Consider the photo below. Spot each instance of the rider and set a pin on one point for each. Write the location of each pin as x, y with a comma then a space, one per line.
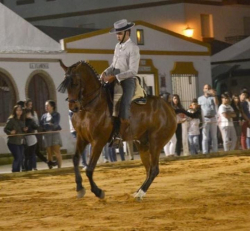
123, 70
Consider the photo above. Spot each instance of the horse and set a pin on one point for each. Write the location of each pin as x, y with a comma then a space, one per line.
152, 125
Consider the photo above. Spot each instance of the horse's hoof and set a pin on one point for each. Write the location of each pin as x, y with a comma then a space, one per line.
81, 193
138, 199
102, 195
139, 195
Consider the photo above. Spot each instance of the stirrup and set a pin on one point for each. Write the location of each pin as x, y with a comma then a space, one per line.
116, 142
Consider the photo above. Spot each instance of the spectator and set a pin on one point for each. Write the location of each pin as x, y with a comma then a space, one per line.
52, 140
237, 120
73, 133
176, 104
31, 141
130, 149
246, 116
170, 147
15, 125
194, 129
226, 113
248, 138
208, 103
106, 153
29, 105
21, 103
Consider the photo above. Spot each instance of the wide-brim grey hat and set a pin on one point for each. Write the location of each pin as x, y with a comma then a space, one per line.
122, 25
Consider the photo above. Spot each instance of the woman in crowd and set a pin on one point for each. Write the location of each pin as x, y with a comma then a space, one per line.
29, 105
246, 117
52, 140
176, 104
15, 125
225, 122
30, 141
170, 147
237, 120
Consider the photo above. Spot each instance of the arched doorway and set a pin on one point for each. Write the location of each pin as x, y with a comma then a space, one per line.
38, 92
7, 97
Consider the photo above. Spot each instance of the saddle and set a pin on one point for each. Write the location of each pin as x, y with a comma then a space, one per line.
140, 96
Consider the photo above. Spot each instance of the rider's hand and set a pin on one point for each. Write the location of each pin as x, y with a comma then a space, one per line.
102, 76
109, 78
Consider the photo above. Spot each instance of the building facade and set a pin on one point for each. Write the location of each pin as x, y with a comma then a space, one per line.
224, 20
29, 64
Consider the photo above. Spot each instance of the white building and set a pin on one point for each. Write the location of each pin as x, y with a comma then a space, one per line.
29, 68
29, 65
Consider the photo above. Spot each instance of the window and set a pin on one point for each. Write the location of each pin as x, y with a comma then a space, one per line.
207, 30
140, 37
7, 98
23, 2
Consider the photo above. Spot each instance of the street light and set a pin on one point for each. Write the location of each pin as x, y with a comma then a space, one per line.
188, 32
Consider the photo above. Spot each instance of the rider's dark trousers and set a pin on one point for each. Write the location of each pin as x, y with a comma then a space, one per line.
128, 87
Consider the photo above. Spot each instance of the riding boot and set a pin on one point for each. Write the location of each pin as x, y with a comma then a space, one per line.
116, 141
121, 134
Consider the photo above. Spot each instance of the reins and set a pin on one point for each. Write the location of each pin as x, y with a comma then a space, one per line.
82, 98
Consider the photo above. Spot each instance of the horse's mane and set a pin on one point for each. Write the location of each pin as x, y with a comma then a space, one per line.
68, 75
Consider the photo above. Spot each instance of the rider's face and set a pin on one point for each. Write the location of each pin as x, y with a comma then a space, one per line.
120, 35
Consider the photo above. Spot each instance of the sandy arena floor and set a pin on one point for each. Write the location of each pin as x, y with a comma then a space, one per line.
189, 194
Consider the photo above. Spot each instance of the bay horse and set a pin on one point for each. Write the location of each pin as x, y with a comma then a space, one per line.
152, 125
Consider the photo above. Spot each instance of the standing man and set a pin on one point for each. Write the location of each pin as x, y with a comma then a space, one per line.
209, 103
123, 70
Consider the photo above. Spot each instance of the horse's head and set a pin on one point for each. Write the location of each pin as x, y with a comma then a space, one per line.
80, 82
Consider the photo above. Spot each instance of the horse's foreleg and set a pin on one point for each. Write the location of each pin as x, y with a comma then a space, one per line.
95, 154
76, 160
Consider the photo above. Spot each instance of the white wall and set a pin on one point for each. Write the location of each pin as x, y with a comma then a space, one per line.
20, 72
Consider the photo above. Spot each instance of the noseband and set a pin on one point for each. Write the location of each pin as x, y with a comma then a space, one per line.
84, 99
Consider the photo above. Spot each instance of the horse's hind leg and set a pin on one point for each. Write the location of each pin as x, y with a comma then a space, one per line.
95, 154
146, 160
153, 168
76, 159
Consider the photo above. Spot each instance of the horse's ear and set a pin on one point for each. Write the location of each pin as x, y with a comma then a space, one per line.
62, 65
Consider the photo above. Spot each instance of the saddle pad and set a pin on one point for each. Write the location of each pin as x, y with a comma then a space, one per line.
139, 96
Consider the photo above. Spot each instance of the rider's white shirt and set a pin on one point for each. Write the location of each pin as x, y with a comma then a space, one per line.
126, 59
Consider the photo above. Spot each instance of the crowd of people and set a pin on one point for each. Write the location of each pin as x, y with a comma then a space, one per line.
21, 128
24, 130
229, 113
226, 117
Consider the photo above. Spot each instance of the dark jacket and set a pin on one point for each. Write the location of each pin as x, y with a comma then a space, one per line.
52, 124
245, 109
17, 125
31, 124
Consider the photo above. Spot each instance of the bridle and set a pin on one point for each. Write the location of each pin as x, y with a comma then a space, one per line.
84, 99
